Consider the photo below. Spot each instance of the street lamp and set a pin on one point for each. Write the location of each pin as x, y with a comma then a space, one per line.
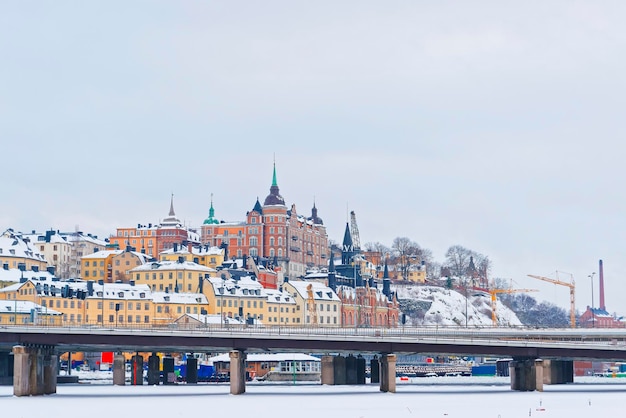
593, 315
355, 297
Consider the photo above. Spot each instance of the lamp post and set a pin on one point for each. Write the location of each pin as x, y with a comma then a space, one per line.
593, 315
355, 298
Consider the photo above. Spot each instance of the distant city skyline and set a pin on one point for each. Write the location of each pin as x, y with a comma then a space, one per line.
493, 126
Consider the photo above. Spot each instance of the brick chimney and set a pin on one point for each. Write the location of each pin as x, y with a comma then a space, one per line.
601, 270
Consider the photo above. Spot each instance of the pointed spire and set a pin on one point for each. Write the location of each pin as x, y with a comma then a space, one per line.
347, 238
386, 271
211, 219
257, 206
274, 198
172, 206
274, 182
331, 263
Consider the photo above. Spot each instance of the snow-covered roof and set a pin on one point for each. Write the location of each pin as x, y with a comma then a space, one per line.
24, 307
268, 357
180, 298
246, 286
320, 290
102, 254
15, 275
276, 296
172, 265
122, 291
195, 250
13, 244
210, 319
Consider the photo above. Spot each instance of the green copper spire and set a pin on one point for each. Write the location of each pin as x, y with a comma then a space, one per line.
211, 219
274, 182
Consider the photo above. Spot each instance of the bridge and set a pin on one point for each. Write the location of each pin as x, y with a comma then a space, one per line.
556, 347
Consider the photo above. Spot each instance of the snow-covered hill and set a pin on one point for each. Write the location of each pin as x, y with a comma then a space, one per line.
440, 306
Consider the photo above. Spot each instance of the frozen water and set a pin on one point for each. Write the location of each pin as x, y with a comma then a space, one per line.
466, 397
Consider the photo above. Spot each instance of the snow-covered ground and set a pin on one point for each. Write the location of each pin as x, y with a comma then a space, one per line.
447, 307
466, 397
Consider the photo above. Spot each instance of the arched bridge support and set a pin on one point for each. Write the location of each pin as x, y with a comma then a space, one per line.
34, 370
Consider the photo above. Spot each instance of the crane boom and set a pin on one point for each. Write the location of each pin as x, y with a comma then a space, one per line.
493, 293
572, 298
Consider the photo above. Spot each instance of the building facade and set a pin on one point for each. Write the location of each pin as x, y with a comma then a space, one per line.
272, 231
152, 239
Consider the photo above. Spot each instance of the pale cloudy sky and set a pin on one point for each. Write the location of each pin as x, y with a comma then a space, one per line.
490, 124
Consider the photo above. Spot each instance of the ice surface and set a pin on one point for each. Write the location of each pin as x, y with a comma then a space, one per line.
465, 397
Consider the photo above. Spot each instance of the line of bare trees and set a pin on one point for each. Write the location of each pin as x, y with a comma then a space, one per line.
462, 264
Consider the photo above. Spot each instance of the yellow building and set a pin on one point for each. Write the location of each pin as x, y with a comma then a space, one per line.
282, 309
110, 265
243, 298
18, 312
173, 276
170, 306
205, 255
318, 304
16, 252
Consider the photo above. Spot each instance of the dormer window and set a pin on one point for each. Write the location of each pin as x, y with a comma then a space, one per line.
142, 295
120, 294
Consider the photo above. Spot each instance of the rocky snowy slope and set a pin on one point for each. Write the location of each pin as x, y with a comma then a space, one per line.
431, 305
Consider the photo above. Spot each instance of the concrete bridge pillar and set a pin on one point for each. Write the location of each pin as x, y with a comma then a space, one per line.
523, 374
539, 375
375, 370
119, 369
21, 370
351, 373
154, 373
328, 370
388, 373
360, 370
50, 371
557, 372
34, 371
169, 377
191, 375
237, 372
6, 368
136, 370
339, 369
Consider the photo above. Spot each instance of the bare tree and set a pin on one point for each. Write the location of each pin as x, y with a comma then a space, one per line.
407, 253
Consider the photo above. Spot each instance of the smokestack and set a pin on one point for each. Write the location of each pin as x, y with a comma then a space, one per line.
601, 270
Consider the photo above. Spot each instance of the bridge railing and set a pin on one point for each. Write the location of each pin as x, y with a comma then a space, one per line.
616, 337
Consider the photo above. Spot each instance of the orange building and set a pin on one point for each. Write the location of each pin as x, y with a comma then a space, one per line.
152, 239
272, 231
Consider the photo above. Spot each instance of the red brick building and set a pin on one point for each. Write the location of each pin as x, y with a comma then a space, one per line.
273, 233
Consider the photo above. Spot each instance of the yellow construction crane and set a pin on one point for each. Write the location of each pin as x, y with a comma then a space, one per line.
311, 303
572, 299
493, 293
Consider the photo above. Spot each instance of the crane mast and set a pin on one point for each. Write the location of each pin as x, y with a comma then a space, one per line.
311, 303
572, 299
354, 229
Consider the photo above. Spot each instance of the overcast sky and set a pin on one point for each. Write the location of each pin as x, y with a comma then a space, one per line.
498, 126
